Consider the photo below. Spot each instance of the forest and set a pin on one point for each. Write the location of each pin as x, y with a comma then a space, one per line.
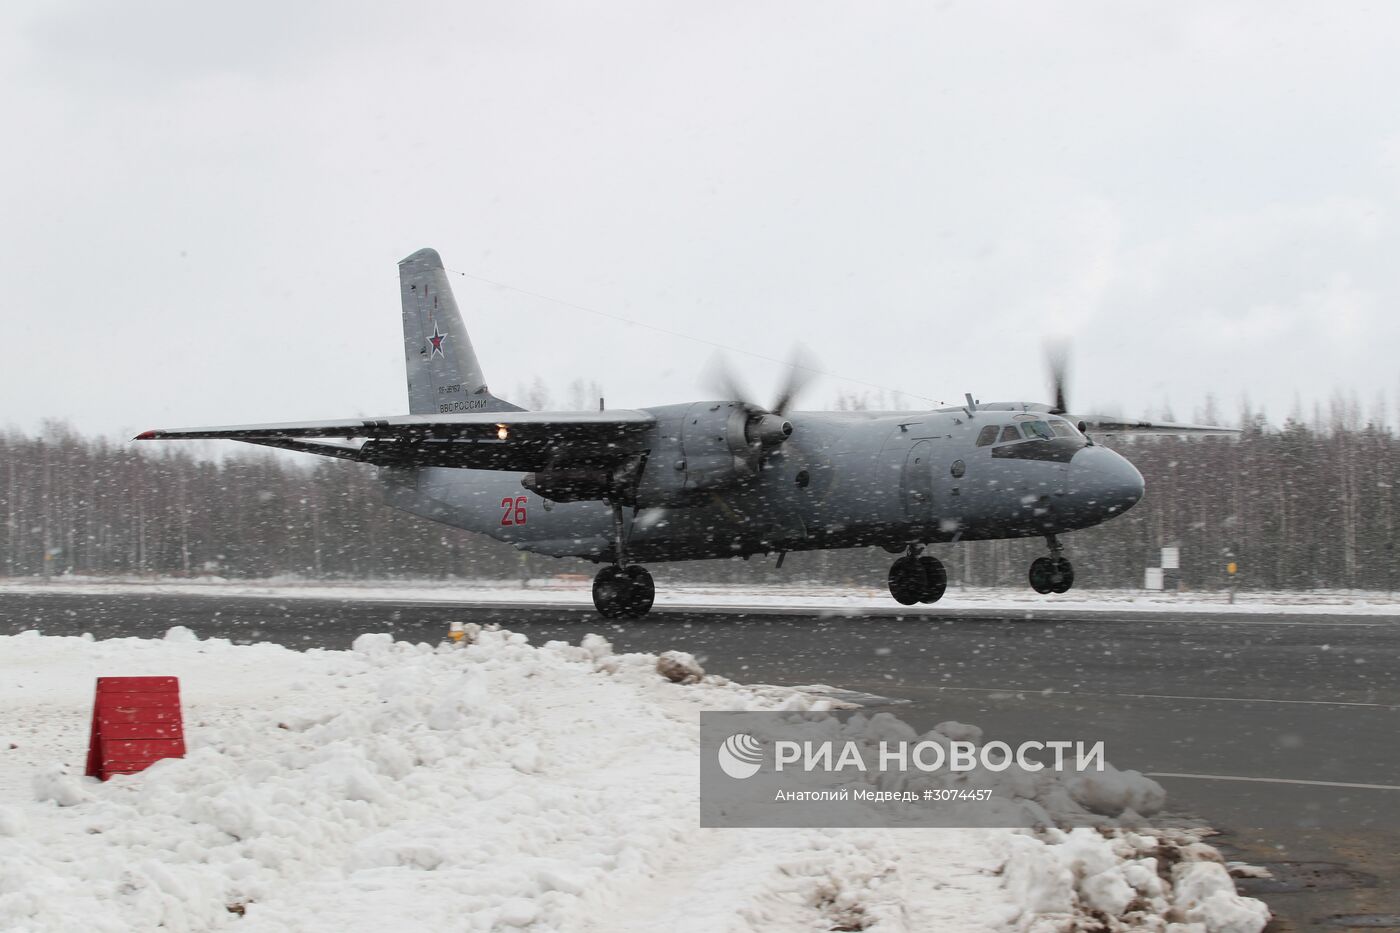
1304, 505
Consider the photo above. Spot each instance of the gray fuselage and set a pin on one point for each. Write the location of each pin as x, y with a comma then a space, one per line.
843, 479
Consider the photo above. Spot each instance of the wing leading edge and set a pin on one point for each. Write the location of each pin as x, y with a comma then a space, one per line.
517, 441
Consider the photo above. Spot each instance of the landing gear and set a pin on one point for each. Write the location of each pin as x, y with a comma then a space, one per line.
1053, 574
623, 592
643, 590
622, 589
917, 579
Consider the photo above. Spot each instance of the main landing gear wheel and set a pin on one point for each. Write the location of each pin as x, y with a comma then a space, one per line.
643, 590
1051, 575
918, 580
620, 592
935, 579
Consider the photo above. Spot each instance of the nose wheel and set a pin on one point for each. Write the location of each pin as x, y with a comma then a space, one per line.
623, 592
1053, 574
918, 579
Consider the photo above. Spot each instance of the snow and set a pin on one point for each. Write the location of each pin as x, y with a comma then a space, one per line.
1112, 792
1129, 881
813, 597
679, 667
492, 785
1207, 893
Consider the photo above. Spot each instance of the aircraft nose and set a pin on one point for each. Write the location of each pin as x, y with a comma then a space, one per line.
1104, 482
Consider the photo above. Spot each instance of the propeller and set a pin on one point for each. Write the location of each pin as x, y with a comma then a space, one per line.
1057, 361
765, 427
802, 370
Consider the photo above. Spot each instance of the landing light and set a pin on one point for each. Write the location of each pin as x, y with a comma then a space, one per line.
502, 432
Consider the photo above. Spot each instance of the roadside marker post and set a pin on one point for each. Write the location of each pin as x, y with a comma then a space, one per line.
136, 722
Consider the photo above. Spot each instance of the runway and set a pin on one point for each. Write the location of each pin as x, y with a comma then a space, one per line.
1278, 730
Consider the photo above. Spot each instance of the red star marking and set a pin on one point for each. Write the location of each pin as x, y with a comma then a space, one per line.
436, 340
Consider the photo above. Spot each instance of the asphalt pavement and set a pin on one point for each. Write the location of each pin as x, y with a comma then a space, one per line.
1280, 731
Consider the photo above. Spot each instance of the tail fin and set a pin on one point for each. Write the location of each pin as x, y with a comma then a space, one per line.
444, 376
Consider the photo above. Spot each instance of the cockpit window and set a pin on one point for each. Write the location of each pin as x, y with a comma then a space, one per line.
1009, 433
1062, 428
988, 436
1039, 429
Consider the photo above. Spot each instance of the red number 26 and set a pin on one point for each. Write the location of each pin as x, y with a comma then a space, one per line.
513, 510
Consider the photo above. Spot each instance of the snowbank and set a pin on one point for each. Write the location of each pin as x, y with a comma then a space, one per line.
1125, 881
489, 786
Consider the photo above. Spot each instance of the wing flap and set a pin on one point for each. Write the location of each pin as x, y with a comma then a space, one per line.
408, 426
514, 441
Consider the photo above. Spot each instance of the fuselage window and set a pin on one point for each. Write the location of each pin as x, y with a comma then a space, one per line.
1039, 429
1009, 433
988, 436
1062, 429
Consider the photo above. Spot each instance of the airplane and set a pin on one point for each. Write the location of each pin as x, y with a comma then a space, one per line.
718, 478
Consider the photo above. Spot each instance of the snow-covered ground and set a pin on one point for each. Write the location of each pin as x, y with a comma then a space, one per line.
816, 597
495, 785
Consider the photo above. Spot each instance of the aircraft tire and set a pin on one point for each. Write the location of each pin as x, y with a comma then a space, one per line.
611, 592
906, 581
1063, 577
935, 579
1042, 574
641, 591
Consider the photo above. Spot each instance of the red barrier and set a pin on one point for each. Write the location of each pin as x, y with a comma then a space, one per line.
135, 723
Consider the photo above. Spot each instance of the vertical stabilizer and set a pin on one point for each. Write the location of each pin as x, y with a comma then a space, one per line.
444, 376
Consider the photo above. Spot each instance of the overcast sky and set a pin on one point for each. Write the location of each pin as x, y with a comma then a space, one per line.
204, 204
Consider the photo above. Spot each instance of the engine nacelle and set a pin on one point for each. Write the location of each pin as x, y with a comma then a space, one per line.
724, 442
714, 448
706, 446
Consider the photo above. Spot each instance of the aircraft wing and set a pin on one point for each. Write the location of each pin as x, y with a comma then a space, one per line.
1103, 424
516, 441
